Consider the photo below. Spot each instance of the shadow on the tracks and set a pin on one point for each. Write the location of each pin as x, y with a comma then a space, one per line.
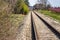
32, 29
49, 26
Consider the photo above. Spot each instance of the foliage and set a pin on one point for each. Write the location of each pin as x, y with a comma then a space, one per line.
24, 9
48, 6
55, 9
26, 2
9, 22
21, 7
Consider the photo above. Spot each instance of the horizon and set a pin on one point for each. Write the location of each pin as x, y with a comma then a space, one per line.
55, 3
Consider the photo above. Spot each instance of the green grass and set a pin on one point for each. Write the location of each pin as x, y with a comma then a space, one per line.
54, 15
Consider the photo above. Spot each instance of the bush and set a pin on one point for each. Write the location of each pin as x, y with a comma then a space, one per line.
21, 8
25, 9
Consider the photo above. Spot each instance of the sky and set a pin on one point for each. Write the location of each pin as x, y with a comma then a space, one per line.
32, 2
54, 3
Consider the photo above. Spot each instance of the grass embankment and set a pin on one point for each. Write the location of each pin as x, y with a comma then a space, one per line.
16, 18
9, 25
10, 22
54, 15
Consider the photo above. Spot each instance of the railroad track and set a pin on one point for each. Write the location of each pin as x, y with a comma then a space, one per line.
36, 28
41, 30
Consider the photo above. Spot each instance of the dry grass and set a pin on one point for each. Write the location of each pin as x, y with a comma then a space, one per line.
9, 25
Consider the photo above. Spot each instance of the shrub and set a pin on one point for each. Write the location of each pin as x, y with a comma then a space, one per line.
25, 9
21, 7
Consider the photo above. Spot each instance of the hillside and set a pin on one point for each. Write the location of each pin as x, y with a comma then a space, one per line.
9, 22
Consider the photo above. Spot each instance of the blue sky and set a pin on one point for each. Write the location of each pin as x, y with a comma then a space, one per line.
54, 3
